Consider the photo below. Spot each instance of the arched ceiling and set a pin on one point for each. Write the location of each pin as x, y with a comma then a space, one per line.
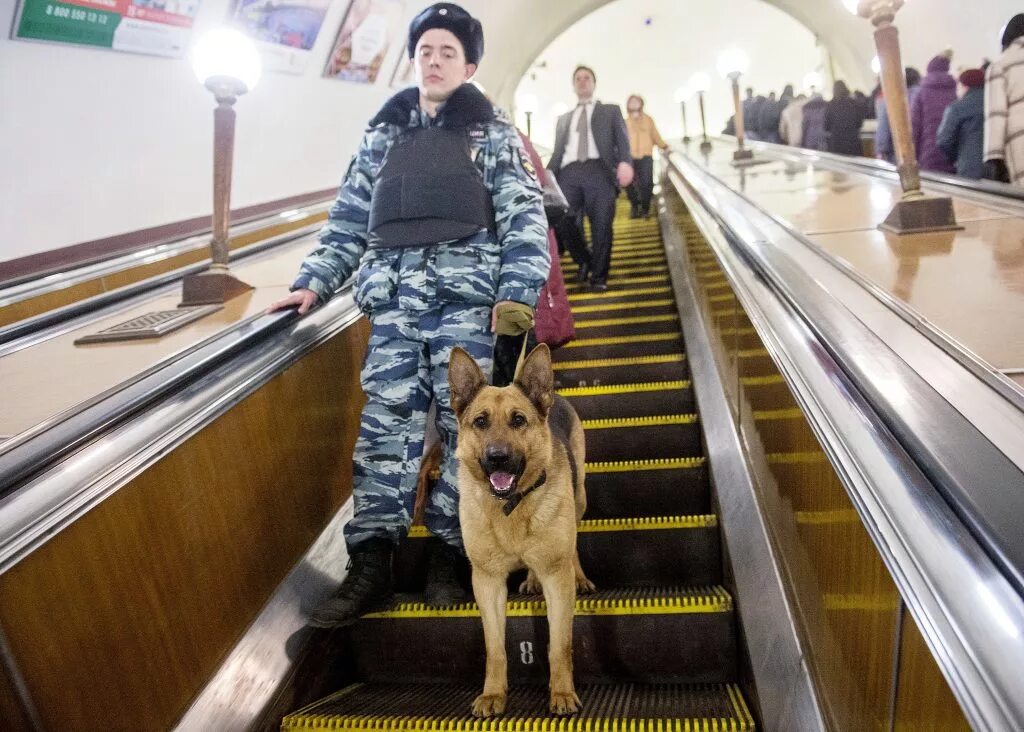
518, 31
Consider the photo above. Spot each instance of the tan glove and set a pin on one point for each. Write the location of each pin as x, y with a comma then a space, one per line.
514, 318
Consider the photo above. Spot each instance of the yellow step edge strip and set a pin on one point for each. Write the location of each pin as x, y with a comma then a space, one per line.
773, 414
822, 518
592, 526
741, 712
657, 523
658, 420
585, 391
624, 271
796, 458
634, 466
620, 293
762, 380
616, 281
628, 263
597, 363
741, 722
716, 600
637, 320
626, 250
621, 340
623, 306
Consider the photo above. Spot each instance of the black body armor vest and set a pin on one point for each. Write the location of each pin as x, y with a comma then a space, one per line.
429, 190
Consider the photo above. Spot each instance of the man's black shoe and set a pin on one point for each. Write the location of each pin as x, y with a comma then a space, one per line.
367, 584
634, 212
584, 273
599, 286
443, 586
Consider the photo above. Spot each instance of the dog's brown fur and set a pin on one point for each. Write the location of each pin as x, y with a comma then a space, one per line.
540, 533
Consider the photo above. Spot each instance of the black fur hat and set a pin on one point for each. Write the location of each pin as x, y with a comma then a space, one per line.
450, 17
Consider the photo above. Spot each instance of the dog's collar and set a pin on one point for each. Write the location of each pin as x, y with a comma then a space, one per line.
511, 503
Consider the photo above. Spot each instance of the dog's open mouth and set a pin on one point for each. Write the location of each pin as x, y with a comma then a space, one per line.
503, 484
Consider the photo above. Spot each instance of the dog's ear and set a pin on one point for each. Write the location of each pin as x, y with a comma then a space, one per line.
537, 380
465, 380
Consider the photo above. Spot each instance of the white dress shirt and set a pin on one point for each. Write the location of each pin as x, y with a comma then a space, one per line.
573, 143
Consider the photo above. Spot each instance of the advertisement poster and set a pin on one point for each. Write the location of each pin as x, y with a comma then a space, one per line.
403, 75
283, 31
370, 29
156, 27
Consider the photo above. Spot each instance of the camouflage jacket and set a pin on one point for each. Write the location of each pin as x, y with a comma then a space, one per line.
510, 263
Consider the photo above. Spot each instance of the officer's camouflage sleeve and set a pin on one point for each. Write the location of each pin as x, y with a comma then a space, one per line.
343, 237
522, 226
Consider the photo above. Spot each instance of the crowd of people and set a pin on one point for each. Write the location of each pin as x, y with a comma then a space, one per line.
971, 124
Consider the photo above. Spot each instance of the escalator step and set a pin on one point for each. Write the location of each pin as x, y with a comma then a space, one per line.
658, 304
647, 488
641, 344
604, 327
615, 282
445, 708
631, 400
660, 551
604, 371
618, 294
673, 635
651, 437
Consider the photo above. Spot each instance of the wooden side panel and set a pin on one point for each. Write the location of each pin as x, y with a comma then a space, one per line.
50, 301
923, 700
119, 620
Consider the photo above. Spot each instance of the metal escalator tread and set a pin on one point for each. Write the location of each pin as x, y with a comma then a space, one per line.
444, 708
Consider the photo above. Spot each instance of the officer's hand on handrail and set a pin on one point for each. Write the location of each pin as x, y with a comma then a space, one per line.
624, 174
305, 299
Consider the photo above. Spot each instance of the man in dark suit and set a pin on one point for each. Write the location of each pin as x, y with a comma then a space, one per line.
592, 160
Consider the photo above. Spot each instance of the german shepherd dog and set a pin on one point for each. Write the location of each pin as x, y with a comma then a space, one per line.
521, 472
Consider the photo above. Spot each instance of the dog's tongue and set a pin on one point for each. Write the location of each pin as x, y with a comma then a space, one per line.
502, 482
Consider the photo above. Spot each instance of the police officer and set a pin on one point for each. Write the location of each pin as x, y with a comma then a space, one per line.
442, 215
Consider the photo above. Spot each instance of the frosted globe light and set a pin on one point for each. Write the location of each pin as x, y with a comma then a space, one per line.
876, 65
851, 5
681, 94
700, 82
227, 53
733, 61
812, 80
527, 103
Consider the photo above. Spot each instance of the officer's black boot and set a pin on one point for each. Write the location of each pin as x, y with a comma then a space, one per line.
368, 584
634, 211
443, 586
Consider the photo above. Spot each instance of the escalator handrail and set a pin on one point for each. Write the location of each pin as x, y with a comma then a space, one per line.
968, 607
161, 418
51, 318
27, 286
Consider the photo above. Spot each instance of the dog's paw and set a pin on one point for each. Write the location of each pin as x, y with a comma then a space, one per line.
488, 705
564, 702
530, 586
584, 586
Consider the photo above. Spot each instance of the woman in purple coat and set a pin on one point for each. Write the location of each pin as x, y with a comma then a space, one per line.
938, 91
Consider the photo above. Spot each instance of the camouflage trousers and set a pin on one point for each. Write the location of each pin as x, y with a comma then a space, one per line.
406, 367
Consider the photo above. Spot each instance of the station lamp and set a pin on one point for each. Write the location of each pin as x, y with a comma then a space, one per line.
699, 84
227, 63
732, 64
